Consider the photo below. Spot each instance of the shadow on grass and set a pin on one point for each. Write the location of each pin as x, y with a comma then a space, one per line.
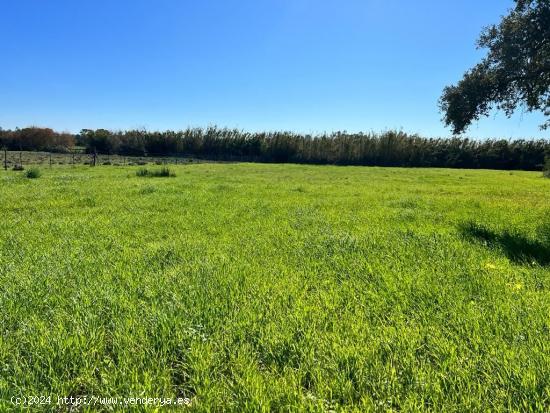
517, 247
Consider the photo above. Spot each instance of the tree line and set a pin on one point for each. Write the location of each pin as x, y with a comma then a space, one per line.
36, 139
391, 148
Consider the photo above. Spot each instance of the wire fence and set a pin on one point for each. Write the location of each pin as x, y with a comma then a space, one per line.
20, 159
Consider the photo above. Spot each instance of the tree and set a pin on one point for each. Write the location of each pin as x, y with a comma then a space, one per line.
99, 140
515, 72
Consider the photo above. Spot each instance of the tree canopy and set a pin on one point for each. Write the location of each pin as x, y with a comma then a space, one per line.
515, 73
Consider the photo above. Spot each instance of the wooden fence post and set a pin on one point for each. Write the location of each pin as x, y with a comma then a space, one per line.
5, 159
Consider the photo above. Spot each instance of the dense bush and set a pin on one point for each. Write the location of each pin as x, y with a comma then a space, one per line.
390, 148
160, 173
33, 173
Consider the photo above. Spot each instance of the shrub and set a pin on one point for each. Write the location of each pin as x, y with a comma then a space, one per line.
160, 173
163, 172
142, 172
18, 167
33, 173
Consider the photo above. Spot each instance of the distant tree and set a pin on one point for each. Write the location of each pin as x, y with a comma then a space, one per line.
38, 139
515, 72
63, 142
3, 138
99, 140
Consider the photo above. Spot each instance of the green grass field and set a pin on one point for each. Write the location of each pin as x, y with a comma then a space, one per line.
247, 287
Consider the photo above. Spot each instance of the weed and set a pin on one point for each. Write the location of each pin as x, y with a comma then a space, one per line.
33, 173
142, 172
147, 190
156, 173
163, 172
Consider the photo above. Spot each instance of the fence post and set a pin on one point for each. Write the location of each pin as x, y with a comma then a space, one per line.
94, 158
50, 159
20, 158
73, 157
5, 159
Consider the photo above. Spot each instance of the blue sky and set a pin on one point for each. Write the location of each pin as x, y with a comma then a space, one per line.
302, 65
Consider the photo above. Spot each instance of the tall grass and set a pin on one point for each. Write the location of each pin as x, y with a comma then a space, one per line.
391, 148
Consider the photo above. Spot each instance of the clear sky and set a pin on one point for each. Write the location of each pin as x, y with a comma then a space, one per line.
302, 65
